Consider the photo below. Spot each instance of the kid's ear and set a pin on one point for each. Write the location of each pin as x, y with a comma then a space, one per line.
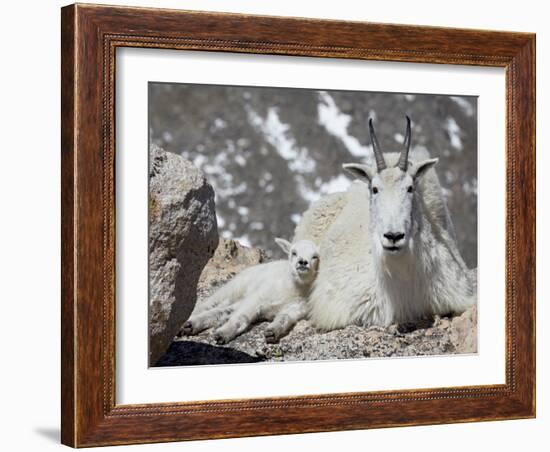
284, 244
418, 169
360, 171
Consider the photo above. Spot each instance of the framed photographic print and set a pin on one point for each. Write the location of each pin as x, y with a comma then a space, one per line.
281, 225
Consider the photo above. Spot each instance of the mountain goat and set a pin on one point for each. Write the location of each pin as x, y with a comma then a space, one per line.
276, 291
387, 245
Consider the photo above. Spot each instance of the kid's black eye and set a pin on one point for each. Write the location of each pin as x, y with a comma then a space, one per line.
410, 189
294, 253
374, 190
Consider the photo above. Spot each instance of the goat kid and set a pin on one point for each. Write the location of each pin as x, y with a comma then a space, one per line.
276, 291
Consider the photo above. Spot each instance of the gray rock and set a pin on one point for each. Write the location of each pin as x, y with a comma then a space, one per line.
464, 332
182, 237
229, 259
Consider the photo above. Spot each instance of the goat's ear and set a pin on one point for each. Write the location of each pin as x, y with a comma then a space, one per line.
418, 169
284, 244
360, 171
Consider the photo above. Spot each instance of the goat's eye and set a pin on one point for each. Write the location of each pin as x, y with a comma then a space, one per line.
410, 189
315, 258
294, 254
374, 190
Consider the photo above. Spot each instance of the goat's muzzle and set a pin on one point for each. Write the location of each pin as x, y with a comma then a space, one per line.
393, 241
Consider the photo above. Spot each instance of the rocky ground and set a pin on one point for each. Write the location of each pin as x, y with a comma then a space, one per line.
430, 337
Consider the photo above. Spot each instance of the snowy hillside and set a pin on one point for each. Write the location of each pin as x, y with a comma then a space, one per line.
270, 152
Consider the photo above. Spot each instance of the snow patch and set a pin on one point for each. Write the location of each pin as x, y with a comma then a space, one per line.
449, 177
454, 133
199, 160
220, 221
244, 240
219, 124
242, 210
305, 191
464, 104
229, 191
167, 137
256, 225
227, 234
336, 123
446, 192
277, 134
470, 188
240, 160
336, 184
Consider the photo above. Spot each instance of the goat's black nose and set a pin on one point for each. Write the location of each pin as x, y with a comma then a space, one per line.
394, 236
302, 262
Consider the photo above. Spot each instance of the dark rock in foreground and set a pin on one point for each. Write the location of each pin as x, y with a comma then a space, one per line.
189, 353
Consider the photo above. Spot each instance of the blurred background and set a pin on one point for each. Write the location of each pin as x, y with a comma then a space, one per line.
270, 152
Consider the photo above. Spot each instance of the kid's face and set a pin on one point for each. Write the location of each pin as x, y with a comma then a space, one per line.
304, 257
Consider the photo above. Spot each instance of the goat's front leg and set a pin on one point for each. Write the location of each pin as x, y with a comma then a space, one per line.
204, 320
285, 320
238, 322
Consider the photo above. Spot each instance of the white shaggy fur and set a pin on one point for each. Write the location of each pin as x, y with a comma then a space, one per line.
276, 291
363, 280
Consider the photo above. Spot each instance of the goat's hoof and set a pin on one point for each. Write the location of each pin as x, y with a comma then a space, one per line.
220, 338
270, 336
187, 329
408, 327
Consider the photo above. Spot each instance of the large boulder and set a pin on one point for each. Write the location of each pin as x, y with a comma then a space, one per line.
183, 236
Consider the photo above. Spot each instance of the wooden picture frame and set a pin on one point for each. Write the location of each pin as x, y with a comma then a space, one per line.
90, 36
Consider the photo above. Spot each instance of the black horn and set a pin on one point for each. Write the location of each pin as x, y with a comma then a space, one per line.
404, 157
380, 162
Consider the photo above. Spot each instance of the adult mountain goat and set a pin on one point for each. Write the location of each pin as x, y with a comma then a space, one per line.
387, 246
